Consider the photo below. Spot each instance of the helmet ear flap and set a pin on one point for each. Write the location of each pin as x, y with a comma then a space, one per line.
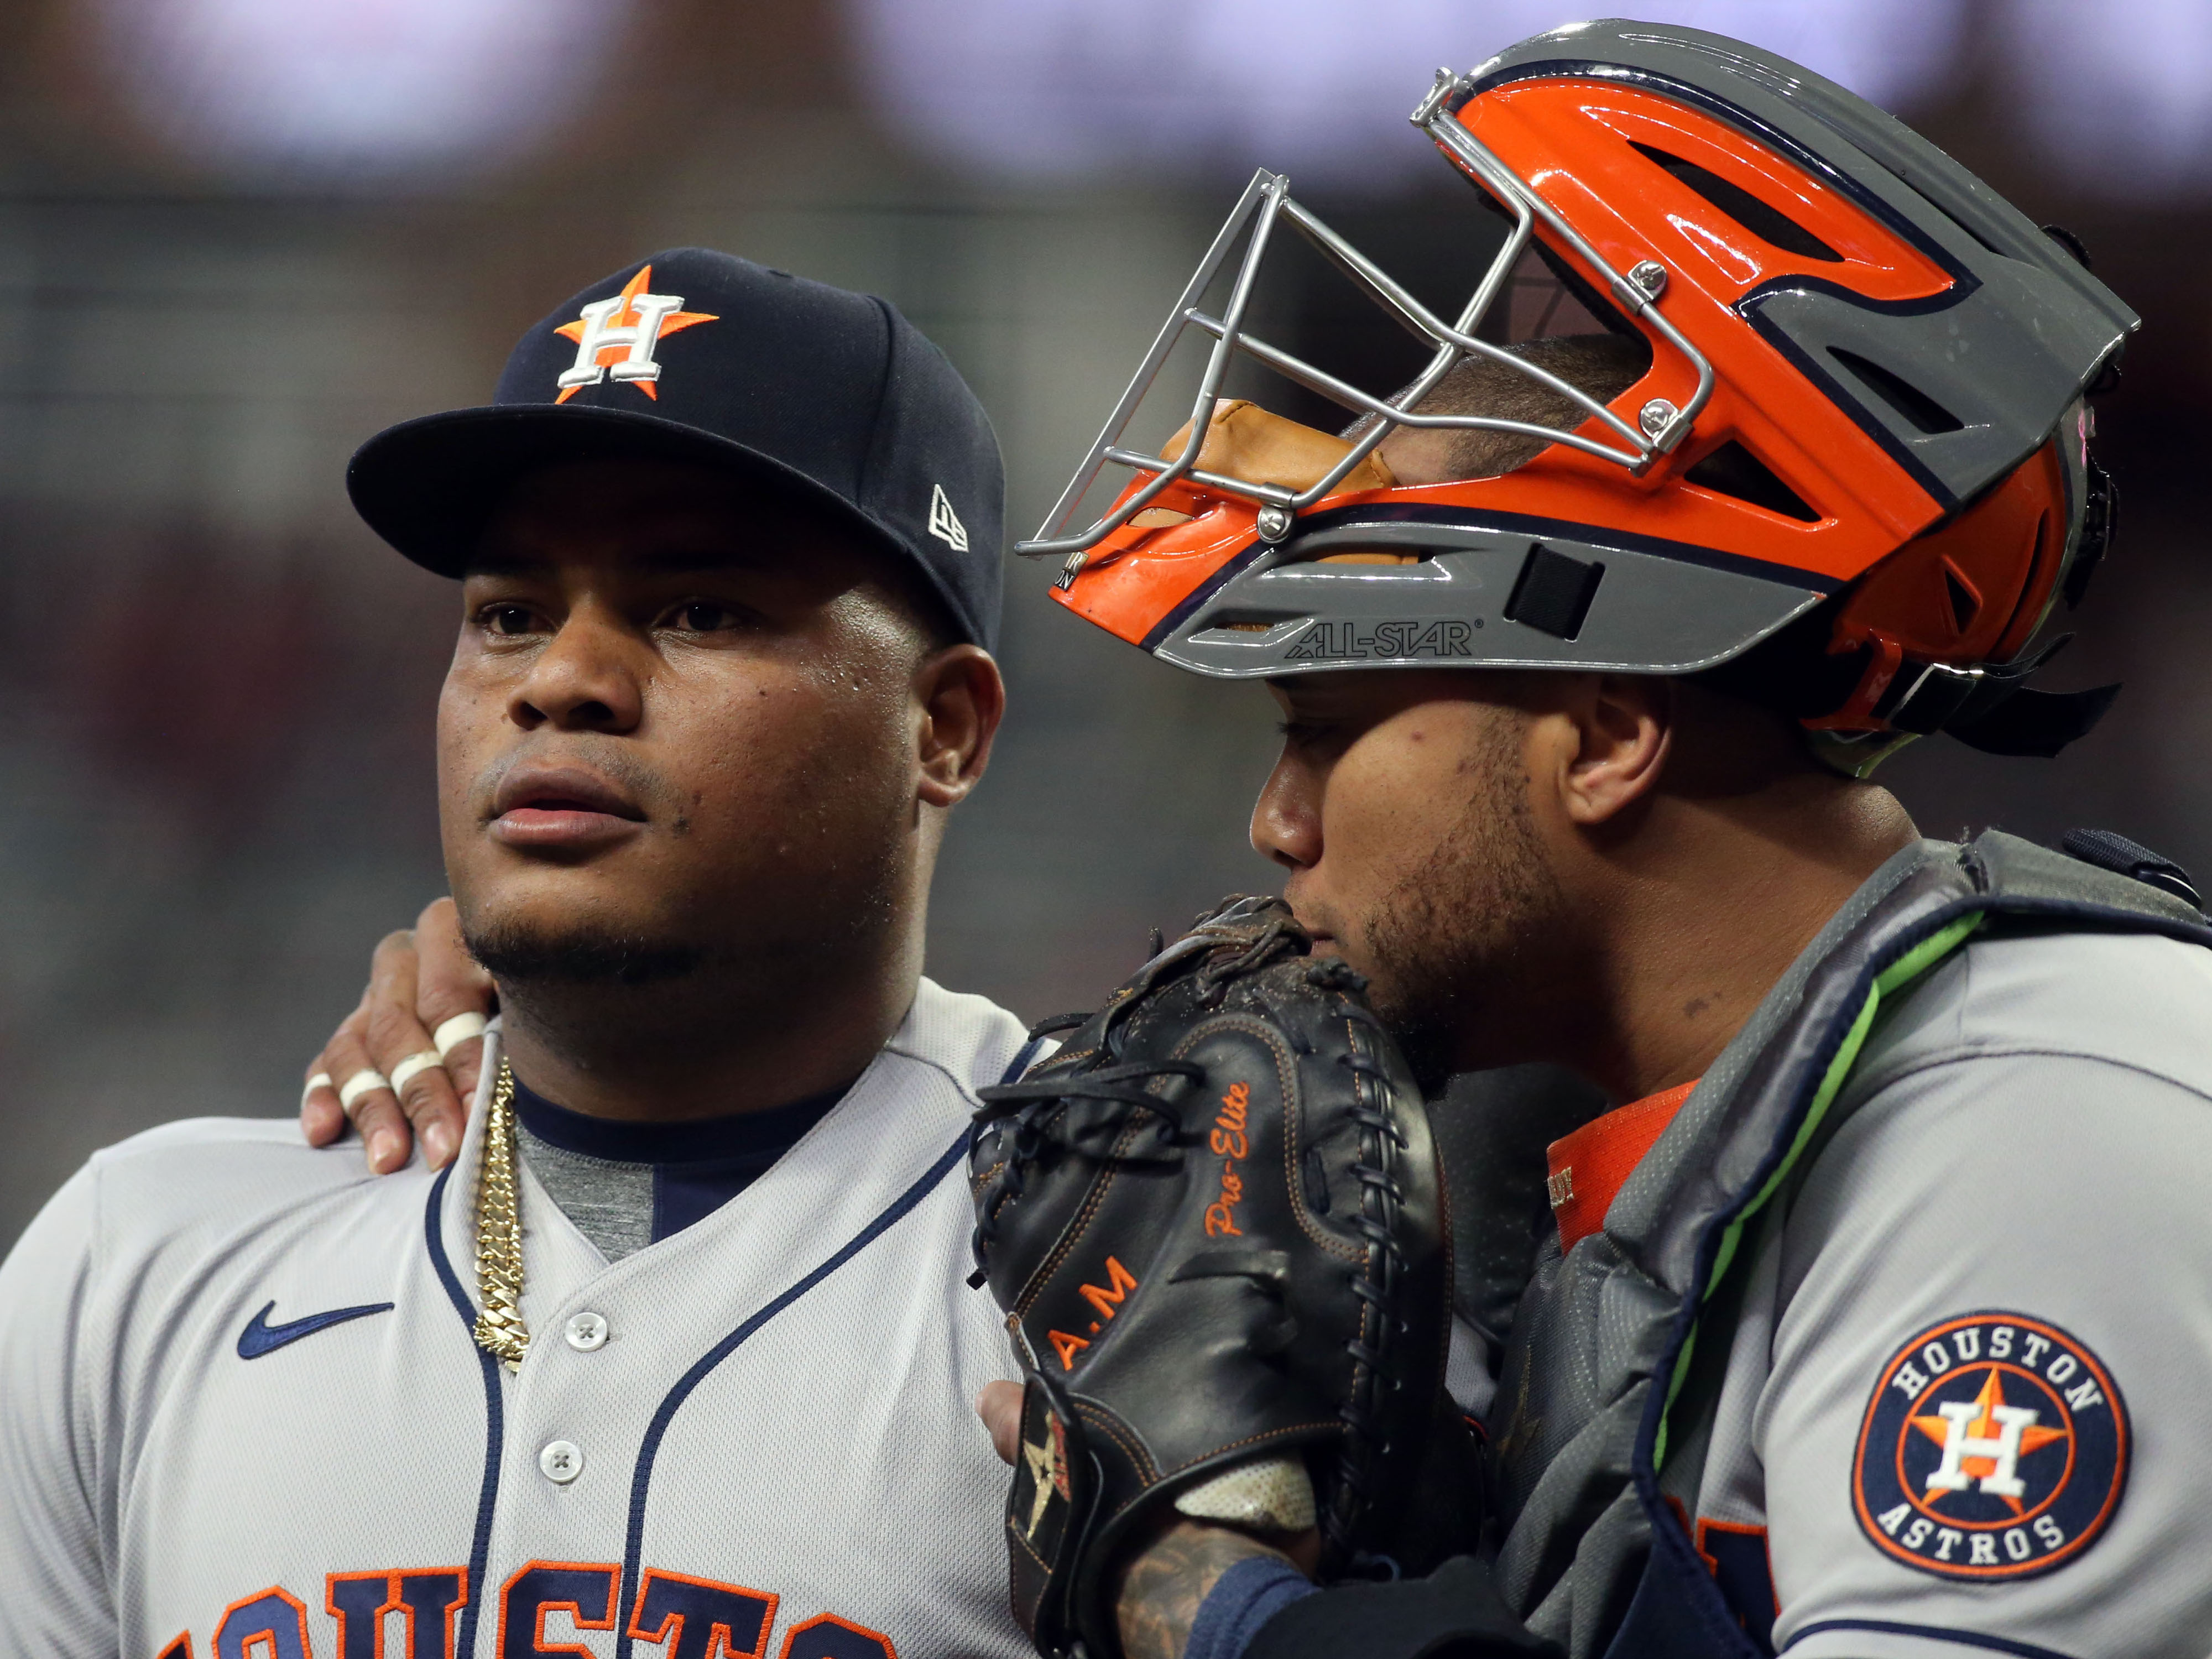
1973, 590
1966, 596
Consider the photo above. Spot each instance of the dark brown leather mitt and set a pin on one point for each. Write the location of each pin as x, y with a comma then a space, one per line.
1215, 1220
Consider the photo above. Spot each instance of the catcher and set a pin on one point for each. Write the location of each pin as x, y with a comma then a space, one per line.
1588, 646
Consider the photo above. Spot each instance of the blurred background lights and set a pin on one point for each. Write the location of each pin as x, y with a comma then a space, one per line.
1318, 88
331, 92
2115, 94
2118, 94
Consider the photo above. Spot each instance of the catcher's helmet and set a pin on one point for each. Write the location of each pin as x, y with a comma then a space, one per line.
1860, 435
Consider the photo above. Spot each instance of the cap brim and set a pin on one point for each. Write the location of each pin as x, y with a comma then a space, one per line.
430, 486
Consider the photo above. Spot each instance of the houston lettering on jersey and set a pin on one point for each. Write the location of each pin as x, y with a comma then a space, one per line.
411, 1613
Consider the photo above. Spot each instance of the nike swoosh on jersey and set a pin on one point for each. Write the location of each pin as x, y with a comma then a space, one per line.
260, 1337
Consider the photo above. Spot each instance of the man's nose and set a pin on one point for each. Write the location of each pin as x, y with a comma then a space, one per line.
1286, 818
589, 678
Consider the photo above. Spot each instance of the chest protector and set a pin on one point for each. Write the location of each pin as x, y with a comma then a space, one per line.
1603, 1408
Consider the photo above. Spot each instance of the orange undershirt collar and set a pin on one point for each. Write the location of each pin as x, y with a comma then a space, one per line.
1589, 1166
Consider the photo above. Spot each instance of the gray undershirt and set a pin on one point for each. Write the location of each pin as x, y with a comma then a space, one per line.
611, 1203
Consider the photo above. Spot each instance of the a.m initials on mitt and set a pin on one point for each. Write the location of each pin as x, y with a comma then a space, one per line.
1215, 1220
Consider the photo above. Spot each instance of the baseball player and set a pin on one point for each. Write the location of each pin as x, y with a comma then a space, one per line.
674, 1357
1870, 1321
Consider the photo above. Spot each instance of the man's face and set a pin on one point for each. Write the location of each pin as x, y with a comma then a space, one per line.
677, 729
1401, 807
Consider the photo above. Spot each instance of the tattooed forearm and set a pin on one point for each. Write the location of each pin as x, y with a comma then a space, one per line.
1162, 1587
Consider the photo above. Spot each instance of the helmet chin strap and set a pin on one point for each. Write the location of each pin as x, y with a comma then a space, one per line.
2021, 719
1992, 708
1998, 715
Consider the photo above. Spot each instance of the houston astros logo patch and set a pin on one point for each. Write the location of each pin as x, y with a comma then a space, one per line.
1996, 1446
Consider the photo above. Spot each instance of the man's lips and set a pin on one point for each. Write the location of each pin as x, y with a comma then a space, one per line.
561, 807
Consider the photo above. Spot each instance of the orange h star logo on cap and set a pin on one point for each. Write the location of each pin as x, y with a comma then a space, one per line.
615, 338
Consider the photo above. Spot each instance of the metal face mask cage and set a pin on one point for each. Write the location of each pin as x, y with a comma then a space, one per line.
1660, 427
1873, 367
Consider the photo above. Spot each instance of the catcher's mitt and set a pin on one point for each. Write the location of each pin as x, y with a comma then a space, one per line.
1215, 1222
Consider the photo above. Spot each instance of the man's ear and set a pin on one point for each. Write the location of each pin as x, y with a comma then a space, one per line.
1623, 726
959, 699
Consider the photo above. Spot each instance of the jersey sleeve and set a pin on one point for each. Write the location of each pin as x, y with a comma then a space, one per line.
1983, 1426
52, 1556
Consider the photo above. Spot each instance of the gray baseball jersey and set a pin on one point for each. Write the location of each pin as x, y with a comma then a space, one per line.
1963, 1410
242, 1414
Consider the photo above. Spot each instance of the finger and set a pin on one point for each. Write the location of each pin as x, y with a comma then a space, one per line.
322, 1118
999, 1405
405, 1053
374, 1111
450, 986
427, 1097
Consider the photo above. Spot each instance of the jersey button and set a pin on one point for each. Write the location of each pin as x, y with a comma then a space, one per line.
562, 1461
587, 1331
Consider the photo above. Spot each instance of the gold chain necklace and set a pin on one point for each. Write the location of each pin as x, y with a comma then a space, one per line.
500, 1331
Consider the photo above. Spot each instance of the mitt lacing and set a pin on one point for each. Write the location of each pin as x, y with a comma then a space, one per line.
1214, 977
1034, 1112
1375, 1284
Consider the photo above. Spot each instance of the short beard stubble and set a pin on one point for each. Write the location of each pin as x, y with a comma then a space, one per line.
618, 997
1463, 920
522, 956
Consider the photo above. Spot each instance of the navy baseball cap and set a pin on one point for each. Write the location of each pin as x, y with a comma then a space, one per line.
694, 356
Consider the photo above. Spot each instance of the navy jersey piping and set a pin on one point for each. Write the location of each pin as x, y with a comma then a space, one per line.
641, 1482
494, 1424
1964, 1637
1015, 1068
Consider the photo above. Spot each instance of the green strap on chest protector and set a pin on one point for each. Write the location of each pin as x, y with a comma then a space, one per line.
1898, 977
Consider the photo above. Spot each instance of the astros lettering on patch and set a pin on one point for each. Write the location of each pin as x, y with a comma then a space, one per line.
1996, 1446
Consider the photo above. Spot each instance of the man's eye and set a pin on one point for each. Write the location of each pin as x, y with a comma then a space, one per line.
702, 617
510, 619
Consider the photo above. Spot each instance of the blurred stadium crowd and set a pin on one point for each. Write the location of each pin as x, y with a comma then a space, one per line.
237, 236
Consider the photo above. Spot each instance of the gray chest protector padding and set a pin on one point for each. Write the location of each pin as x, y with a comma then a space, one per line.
1491, 1131
1581, 1401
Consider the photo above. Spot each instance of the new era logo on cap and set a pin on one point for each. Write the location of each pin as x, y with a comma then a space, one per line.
944, 523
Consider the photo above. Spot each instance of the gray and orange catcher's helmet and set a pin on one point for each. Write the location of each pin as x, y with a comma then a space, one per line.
1853, 482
